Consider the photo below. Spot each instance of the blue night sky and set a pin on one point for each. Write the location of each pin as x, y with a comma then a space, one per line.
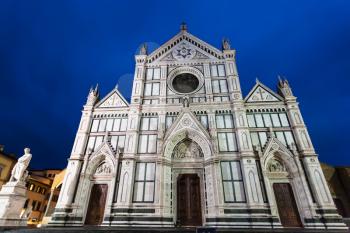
51, 52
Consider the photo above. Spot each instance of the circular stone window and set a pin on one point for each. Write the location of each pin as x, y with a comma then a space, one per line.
185, 83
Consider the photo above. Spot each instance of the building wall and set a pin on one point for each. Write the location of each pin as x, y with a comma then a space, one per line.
338, 179
6, 164
40, 187
211, 131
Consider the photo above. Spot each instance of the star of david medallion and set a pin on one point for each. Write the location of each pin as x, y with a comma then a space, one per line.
186, 122
183, 52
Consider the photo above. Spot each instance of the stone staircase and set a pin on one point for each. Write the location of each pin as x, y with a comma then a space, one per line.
159, 230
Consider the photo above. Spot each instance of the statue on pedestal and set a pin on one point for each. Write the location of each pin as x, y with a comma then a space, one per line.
14, 194
19, 171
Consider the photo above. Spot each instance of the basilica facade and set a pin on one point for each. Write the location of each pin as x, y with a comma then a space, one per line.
190, 150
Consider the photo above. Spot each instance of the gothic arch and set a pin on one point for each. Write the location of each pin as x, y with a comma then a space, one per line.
187, 149
291, 173
179, 136
103, 154
96, 160
276, 150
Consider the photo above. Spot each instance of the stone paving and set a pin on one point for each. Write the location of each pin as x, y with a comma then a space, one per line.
158, 230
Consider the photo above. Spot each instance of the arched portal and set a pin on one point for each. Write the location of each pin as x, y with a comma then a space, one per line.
283, 177
186, 151
97, 187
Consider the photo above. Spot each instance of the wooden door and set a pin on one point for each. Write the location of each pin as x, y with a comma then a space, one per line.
189, 212
95, 212
286, 205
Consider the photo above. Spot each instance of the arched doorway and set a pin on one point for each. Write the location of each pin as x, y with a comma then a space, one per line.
100, 183
283, 193
187, 159
186, 148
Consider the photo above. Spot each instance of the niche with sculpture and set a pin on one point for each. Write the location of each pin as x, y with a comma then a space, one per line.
274, 165
103, 169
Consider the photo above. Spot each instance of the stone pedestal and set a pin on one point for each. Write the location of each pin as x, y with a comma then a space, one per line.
12, 198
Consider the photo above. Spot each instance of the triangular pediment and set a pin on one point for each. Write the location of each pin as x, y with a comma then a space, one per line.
261, 93
185, 51
114, 99
186, 120
184, 47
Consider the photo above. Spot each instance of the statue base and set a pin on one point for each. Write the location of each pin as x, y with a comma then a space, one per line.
12, 198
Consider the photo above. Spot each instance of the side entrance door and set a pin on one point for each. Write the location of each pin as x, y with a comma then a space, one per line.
189, 211
286, 205
95, 212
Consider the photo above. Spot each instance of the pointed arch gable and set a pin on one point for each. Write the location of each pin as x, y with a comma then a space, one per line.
186, 120
103, 153
182, 134
275, 149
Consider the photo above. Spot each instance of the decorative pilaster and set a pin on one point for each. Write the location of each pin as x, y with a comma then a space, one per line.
207, 82
139, 77
75, 162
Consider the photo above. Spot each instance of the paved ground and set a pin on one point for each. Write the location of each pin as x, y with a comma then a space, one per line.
158, 230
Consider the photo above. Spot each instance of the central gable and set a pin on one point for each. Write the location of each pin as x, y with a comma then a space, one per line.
184, 47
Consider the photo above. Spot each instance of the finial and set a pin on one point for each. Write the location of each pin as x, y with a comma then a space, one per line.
271, 134
96, 88
143, 49
279, 78
257, 79
116, 86
26, 150
226, 44
186, 133
91, 90
183, 26
106, 136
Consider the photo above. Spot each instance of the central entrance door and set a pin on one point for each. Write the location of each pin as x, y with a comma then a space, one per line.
286, 205
95, 212
189, 211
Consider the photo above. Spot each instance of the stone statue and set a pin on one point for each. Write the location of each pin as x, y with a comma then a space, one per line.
19, 172
185, 102
276, 166
226, 44
143, 50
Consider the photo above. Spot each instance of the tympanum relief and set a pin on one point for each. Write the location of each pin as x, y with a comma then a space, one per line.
187, 149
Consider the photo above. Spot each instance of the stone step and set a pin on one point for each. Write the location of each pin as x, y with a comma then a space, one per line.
157, 230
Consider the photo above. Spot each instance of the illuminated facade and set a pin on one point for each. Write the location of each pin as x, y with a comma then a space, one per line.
190, 150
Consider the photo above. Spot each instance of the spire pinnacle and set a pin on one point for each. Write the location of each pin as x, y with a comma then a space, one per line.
143, 49
279, 78
226, 44
183, 27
